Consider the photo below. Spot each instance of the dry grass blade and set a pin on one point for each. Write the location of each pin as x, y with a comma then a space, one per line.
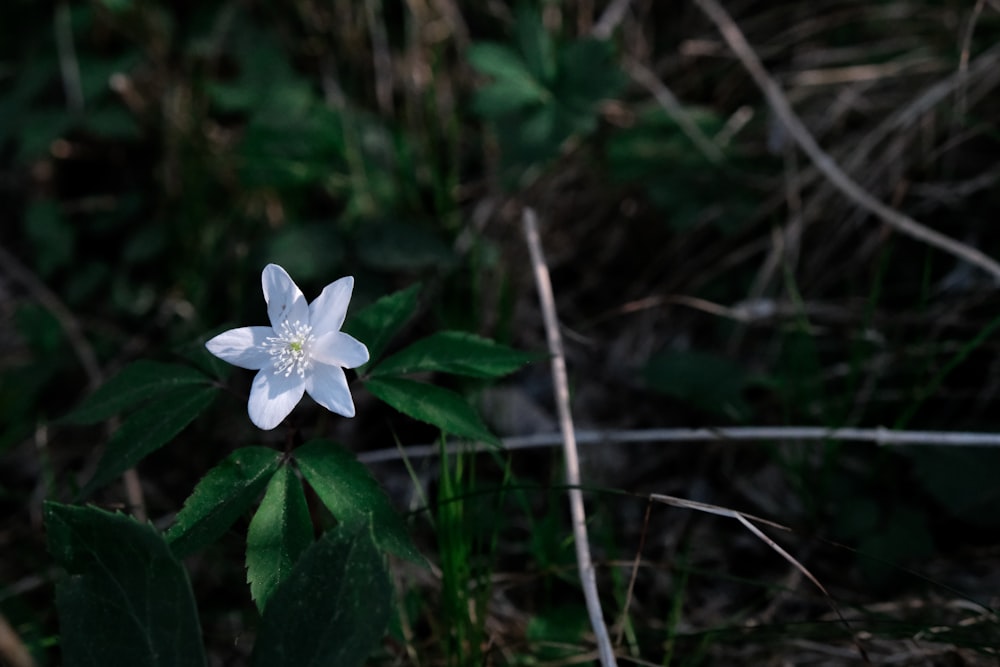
672, 106
746, 520
717, 510
823, 162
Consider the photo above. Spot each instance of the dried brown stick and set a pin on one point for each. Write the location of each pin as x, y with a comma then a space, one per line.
878, 436
962, 101
610, 19
572, 461
983, 69
823, 162
19, 273
674, 109
381, 58
12, 649
70, 326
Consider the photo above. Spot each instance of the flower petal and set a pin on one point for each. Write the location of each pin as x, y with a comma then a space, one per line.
273, 396
243, 347
328, 386
339, 349
328, 311
285, 302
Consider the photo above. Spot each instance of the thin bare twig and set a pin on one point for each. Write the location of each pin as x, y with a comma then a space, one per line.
962, 102
12, 649
70, 326
672, 106
381, 58
878, 436
983, 69
823, 162
959, 118
610, 19
623, 620
19, 273
561, 382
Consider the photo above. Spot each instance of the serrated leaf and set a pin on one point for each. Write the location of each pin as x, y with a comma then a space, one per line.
588, 74
332, 610
536, 43
503, 98
146, 430
346, 487
127, 600
226, 492
510, 75
136, 383
431, 404
279, 532
376, 324
458, 353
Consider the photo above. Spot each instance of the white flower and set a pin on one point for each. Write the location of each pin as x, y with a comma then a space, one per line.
303, 350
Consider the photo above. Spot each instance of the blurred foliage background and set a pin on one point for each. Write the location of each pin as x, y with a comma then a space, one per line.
155, 155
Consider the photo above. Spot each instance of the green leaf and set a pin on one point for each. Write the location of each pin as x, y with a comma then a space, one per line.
503, 98
51, 235
712, 383
529, 141
279, 532
36, 136
310, 248
536, 43
136, 383
127, 600
458, 353
378, 323
513, 85
40, 330
589, 74
111, 122
348, 490
117, 6
905, 537
332, 610
556, 632
435, 405
402, 246
18, 104
146, 430
962, 479
222, 496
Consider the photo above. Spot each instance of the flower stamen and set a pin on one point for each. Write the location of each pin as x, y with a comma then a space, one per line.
290, 348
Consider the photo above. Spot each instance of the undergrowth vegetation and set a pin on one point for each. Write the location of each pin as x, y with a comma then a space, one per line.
708, 272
